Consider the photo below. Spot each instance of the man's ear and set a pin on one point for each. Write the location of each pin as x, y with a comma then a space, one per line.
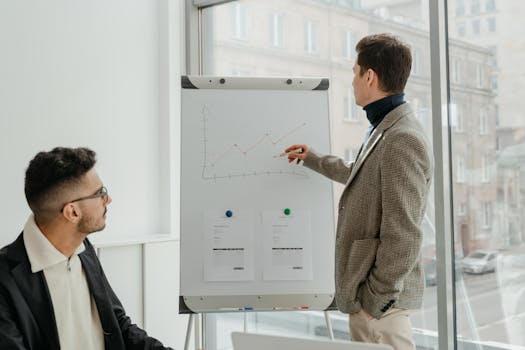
372, 78
71, 212
370, 75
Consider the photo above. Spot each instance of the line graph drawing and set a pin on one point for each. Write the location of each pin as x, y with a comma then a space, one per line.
212, 162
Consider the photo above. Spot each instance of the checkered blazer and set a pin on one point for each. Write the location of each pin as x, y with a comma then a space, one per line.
379, 236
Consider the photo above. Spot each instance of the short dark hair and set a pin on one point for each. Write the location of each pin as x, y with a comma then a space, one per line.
388, 57
49, 172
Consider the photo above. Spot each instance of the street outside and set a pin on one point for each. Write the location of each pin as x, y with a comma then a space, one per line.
490, 306
490, 310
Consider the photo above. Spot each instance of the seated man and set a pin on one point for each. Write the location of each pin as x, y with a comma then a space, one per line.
53, 291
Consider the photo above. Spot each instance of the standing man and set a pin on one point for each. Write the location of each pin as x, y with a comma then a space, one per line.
378, 272
53, 291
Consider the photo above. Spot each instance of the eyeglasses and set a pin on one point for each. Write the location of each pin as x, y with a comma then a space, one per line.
102, 193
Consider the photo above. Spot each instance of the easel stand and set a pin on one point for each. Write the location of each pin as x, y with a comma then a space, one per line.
200, 331
199, 321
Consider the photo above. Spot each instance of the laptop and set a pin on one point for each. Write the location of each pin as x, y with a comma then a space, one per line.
251, 341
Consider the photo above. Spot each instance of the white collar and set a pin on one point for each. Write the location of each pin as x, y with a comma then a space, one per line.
40, 251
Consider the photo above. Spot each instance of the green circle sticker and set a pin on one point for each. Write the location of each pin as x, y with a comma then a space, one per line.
287, 211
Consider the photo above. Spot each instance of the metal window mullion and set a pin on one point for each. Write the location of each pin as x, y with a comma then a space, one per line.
207, 3
193, 38
442, 179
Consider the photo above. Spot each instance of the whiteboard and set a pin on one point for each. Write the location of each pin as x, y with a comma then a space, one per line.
257, 233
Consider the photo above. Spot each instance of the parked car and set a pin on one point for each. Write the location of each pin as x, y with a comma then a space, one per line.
480, 261
429, 268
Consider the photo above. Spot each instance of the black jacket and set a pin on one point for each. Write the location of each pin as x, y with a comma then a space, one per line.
27, 319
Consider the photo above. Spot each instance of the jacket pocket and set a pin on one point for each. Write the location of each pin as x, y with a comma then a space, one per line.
360, 261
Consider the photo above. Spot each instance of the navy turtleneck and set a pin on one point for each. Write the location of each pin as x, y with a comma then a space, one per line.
376, 111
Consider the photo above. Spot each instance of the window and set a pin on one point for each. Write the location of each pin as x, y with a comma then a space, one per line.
490, 5
485, 169
499, 221
350, 154
493, 55
351, 109
474, 7
461, 29
483, 122
480, 75
486, 212
462, 209
416, 65
277, 30
494, 82
475, 27
308, 27
491, 24
238, 21
496, 115
460, 169
456, 71
310, 37
490, 167
460, 8
458, 122
349, 43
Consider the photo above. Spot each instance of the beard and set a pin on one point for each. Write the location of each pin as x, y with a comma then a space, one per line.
92, 224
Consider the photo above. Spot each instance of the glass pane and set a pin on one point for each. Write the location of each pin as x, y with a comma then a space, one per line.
489, 172
318, 38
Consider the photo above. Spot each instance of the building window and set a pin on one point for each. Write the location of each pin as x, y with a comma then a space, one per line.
456, 71
496, 115
485, 214
493, 55
462, 209
460, 170
475, 27
474, 7
348, 45
350, 154
416, 65
238, 21
460, 8
483, 122
480, 74
490, 5
494, 82
310, 37
457, 117
277, 29
351, 113
485, 169
491, 24
461, 29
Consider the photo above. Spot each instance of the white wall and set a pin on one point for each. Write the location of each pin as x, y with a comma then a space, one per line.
82, 73
102, 74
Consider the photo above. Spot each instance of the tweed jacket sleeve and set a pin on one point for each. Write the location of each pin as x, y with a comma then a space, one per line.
406, 168
332, 167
